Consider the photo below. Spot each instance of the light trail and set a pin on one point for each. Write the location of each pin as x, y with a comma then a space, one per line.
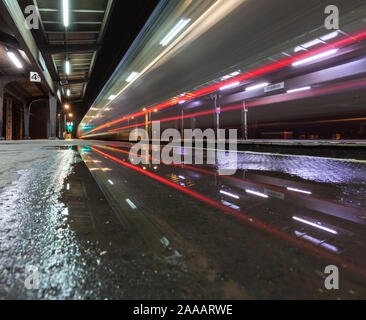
246, 76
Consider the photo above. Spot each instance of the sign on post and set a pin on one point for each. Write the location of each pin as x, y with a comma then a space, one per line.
34, 77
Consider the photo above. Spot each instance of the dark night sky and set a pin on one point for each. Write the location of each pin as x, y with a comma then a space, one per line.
126, 21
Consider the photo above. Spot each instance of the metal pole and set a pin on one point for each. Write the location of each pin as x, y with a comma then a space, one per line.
182, 123
245, 109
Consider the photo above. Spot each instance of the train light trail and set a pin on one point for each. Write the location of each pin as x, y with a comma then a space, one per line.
315, 57
257, 86
132, 76
172, 34
301, 59
315, 225
299, 89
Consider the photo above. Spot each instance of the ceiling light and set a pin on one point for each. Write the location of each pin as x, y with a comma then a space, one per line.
15, 60
232, 85
262, 195
315, 57
112, 97
330, 36
257, 86
67, 67
311, 43
299, 89
66, 13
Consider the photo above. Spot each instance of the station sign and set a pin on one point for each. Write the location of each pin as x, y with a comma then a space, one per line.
34, 77
274, 87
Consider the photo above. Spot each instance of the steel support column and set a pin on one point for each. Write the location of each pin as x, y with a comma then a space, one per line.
9, 119
53, 118
26, 115
2, 85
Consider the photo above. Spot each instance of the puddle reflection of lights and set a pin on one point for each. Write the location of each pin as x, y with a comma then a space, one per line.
230, 205
255, 193
316, 241
183, 178
315, 225
131, 204
298, 190
229, 194
110, 181
315, 57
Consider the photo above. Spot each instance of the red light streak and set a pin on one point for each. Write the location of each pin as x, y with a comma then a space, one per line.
260, 101
254, 73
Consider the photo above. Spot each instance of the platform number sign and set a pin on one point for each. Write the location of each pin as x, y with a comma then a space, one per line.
34, 77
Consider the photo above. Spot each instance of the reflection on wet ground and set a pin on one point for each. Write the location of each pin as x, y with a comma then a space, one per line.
271, 229
98, 227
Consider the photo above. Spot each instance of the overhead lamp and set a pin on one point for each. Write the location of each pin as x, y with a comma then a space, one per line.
15, 60
112, 97
257, 86
229, 86
299, 89
315, 57
231, 75
311, 43
132, 76
330, 36
67, 107
70, 115
68, 92
67, 67
66, 13
176, 29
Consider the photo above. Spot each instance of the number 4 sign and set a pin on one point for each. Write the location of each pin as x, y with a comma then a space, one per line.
34, 77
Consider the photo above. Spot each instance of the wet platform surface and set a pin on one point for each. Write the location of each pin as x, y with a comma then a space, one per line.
98, 227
